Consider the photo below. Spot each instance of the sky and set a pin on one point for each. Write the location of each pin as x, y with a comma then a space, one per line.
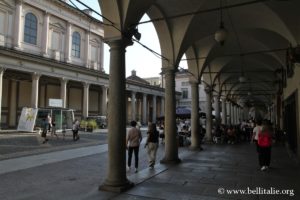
145, 63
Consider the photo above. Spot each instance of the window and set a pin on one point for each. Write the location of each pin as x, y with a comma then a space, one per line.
185, 93
30, 29
76, 44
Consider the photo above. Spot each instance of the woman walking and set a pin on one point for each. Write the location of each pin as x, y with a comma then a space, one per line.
152, 144
133, 140
265, 143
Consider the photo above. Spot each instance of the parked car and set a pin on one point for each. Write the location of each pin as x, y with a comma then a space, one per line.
101, 120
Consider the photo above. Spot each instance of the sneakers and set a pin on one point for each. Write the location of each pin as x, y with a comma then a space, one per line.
128, 168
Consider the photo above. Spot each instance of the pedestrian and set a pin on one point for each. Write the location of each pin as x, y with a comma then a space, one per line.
75, 130
45, 130
255, 133
152, 144
49, 121
133, 140
264, 143
53, 130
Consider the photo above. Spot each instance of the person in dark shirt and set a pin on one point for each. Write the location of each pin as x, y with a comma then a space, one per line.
152, 144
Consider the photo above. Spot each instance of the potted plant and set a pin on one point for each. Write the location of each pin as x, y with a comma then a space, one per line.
83, 125
91, 125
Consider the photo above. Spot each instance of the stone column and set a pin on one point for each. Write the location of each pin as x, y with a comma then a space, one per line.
208, 92
1, 85
87, 48
116, 179
13, 103
162, 106
217, 110
35, 90
133, 105
17, 25
228, 121
68, 43
232, 114
239, 114
195, 132
45, 35
236, 114
154, 109
85, 110
104, 101
63, 91
224, 113
273, 114
171, 145
144, 108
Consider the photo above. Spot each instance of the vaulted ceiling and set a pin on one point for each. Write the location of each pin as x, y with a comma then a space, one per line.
259, 33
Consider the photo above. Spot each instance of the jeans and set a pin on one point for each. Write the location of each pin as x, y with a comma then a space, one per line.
136, 156
264, 156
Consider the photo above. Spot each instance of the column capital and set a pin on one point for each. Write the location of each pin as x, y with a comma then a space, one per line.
208, 89
36, 76
223, 98
19, 1
104, 87
167, 70
46, 13
2, 69
69, 24
64, 79
118, 42
86, 84
194, 83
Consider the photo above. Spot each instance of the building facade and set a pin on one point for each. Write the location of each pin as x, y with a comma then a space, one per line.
183, 85
51, 50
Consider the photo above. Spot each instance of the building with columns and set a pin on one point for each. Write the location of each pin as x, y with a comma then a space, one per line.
145, 102
51, 50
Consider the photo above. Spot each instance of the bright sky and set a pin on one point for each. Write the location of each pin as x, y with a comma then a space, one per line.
138, 58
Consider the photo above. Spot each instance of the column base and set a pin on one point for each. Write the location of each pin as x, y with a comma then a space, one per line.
168, 161
197, 148
118, 188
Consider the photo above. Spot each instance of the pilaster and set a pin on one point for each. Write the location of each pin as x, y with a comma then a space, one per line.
63, 91
85, 109
35, 90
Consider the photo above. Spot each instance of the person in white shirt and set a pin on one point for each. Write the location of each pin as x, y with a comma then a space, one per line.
257, 129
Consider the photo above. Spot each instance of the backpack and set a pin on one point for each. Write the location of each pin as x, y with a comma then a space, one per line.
264, 139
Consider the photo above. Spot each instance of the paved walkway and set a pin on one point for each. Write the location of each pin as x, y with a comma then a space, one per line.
209, 174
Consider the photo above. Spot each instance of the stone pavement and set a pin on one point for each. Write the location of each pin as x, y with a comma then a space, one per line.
76, 173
